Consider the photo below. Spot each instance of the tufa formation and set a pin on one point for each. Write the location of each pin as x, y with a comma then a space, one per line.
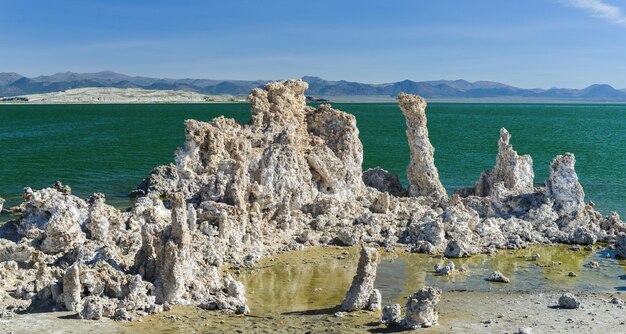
290, 178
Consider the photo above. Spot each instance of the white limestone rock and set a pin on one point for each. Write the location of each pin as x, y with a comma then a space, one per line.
563, 186
384, 181
420, 308
174, 266
392, 315
359, 297
72, 287
497, 276
422, 173
290, 153
514, 171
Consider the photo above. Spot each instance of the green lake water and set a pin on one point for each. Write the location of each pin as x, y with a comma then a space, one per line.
111, 148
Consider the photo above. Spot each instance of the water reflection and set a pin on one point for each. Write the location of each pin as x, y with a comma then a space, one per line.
318, 278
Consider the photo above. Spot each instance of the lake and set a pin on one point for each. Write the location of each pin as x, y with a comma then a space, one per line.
111, 148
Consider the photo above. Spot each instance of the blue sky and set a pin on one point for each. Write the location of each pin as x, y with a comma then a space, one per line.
531, 43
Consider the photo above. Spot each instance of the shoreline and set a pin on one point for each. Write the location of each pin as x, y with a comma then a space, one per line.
288, 180
333, 101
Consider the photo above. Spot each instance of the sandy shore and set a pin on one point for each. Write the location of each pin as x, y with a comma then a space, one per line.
98, 95
459, 312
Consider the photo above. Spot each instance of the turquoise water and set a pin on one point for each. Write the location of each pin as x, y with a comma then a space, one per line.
111, 148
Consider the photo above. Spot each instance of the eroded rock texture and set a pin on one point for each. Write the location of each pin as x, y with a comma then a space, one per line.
392, 315
620, 247
162, 179
422, 173
288, 157
289, 179
514, 171
420, 308
362, 294
174, 266
384, 181
563, 186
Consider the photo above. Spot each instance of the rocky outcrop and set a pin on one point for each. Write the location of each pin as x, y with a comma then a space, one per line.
173, 263
162, 180
384, 181
289, 156
72, 288
420, 308
289, 179
514, 171
362, 294
422, 173
2, 201
620, 247
563, 186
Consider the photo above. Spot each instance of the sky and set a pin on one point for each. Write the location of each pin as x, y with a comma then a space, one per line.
529, 44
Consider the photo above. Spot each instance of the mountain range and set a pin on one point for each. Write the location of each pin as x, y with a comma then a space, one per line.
13, 84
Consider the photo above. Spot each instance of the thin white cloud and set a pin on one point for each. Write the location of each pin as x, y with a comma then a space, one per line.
600, 9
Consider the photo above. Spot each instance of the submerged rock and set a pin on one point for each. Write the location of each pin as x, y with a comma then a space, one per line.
514, 171
420, 308
362, 294
446, 269
497, 276
422, 173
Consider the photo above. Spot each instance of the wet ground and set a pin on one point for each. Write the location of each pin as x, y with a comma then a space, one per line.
300, 292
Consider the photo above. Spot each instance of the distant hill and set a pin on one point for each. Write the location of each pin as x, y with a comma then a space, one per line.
13, 84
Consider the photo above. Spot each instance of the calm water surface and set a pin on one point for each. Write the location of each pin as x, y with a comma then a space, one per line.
316, 279
111, 148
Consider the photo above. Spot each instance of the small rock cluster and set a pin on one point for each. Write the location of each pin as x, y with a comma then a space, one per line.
420, 310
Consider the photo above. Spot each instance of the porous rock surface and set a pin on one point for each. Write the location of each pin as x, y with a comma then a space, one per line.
392, 315
289, 179
422, 173
161, 180
384, 181
499, 277
420, 308
568, 301
362, 294
513, 171
563, 185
